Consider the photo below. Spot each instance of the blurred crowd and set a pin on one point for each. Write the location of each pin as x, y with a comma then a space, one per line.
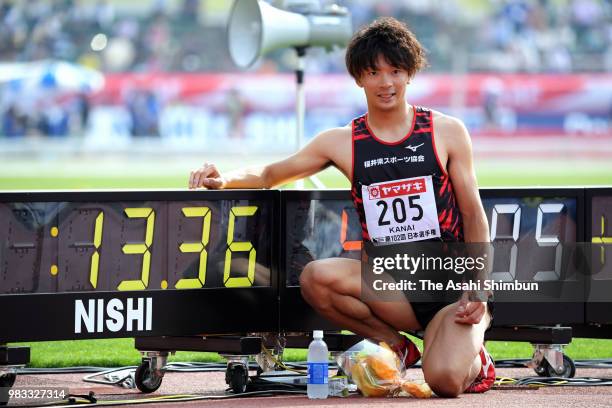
475, 35
97, 34
509, 36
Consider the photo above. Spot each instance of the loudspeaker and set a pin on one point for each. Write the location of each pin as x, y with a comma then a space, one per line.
256, 28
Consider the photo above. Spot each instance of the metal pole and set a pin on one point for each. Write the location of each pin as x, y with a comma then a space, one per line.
300, 112
300, 101
300, 104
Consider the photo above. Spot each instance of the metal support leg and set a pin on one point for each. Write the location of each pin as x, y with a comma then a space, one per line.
237, 372
157, 361
548, 360
150, 372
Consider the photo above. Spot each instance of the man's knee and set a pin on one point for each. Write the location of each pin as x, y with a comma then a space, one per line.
444, 381
311, 276
313, 286
307, 273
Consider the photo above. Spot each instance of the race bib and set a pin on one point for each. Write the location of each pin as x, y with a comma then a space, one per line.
401, 210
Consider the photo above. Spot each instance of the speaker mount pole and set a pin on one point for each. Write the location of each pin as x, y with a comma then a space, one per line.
300, 113
300, 102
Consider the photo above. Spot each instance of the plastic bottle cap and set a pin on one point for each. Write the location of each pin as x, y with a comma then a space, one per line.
317, 334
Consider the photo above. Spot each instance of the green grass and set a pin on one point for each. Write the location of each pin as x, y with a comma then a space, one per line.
98, 353
82, 183
93, 173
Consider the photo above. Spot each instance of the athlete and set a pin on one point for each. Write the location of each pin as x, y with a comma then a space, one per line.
393, 142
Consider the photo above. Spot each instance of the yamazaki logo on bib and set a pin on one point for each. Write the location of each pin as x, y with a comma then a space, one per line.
398, 188
401, 210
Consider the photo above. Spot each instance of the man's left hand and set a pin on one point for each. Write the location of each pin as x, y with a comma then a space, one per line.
469, 312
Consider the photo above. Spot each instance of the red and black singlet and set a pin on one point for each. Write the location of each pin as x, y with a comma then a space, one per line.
376, 161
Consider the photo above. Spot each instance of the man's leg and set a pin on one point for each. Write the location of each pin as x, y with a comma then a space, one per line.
333, 288
451, 358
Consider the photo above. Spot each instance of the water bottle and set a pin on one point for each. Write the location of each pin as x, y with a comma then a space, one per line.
318, 374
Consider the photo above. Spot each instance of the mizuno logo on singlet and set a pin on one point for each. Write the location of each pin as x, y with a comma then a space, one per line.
413, 148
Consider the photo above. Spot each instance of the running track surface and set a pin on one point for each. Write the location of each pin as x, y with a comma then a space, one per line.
214, 384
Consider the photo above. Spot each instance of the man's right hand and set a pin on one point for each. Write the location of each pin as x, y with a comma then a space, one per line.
207, 176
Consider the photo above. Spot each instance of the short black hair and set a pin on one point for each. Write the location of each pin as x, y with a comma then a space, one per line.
390, 38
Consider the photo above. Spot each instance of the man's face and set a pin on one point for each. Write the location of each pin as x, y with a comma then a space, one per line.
385, 86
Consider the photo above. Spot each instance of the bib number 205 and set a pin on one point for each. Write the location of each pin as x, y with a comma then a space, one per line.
398, 207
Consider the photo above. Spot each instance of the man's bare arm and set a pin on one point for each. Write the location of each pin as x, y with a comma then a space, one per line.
463, 177
460, 169
313, 158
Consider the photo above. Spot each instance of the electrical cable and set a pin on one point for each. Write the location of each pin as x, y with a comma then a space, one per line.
594, 363
553, 381
60, 370
280, 363
211, 367
522, 362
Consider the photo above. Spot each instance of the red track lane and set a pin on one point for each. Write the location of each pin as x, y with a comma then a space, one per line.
214, 384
